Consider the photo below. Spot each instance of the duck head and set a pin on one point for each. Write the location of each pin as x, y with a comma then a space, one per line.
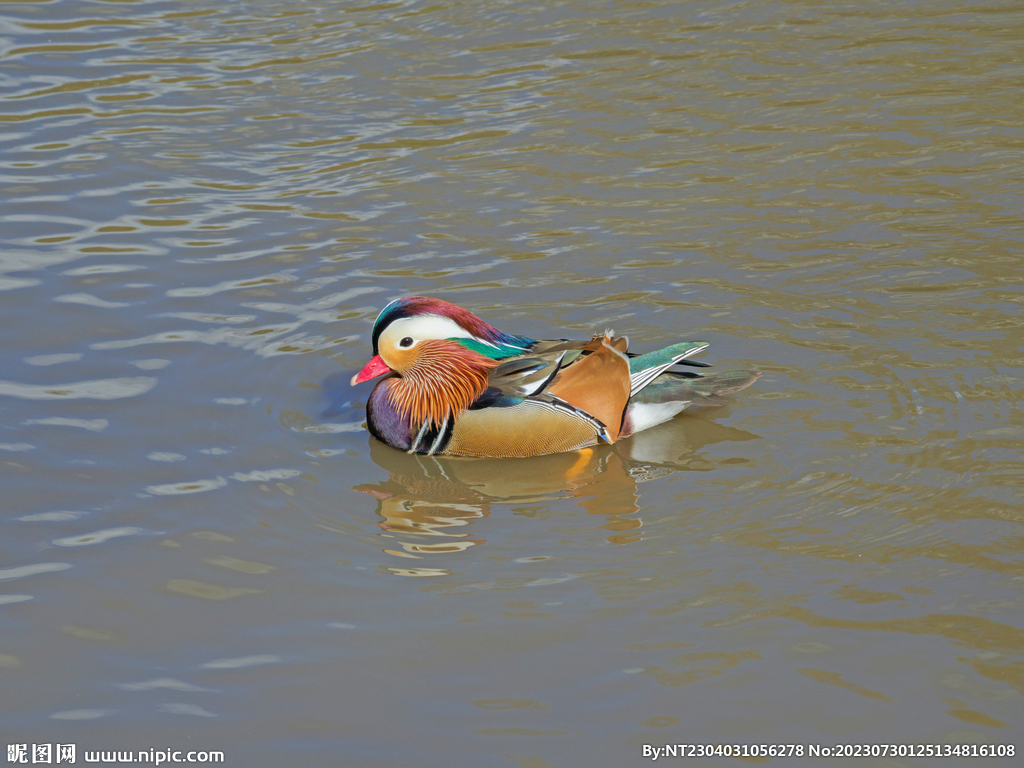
407, 331
435, 357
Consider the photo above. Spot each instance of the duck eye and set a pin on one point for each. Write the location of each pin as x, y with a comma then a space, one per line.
406, 342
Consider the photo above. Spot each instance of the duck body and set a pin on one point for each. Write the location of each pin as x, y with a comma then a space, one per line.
455, 385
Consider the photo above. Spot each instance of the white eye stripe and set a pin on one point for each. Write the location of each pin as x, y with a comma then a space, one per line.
423, 327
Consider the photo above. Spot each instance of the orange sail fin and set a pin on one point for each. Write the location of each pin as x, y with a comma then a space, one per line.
598, 384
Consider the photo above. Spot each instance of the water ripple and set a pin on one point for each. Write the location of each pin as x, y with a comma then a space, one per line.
92, 425
97, 537
167, 683
31, 570
186, 487
242, 661
8, 599
99, 389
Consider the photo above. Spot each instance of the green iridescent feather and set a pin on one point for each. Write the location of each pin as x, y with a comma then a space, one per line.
666, 356
494, 352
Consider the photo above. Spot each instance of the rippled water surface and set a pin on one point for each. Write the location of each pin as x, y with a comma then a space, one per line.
205, 205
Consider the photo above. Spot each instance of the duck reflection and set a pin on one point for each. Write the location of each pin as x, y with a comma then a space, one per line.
432, 496
428, 503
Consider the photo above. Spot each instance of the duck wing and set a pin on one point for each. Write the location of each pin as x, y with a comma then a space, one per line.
644, 369
597, 383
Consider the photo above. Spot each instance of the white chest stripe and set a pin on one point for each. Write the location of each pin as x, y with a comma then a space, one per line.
440, 436
419, 436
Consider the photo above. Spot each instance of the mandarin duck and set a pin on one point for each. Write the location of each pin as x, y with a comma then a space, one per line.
455, 385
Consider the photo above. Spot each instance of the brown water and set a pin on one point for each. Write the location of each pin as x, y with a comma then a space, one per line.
204, 206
